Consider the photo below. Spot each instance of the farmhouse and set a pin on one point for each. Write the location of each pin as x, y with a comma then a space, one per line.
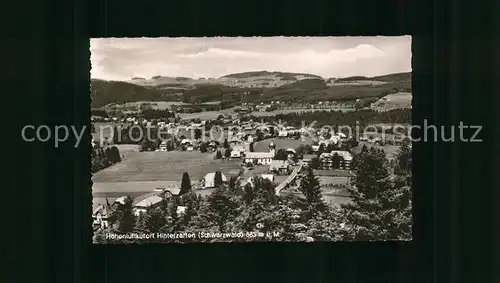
328, 162
346, 156
291, 153
100, 216
209, 180
149, 202
172, 191
259, 158
283, 133
163, 146
236, 153
281, 167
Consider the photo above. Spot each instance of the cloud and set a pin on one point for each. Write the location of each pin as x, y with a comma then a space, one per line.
221, 53
122, 59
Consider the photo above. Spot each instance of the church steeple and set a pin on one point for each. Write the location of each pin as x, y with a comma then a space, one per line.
272, 148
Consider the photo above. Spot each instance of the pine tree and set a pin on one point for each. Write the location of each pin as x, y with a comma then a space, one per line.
281, 154
401, 199
248, 194
114, 155
315, 163
311, 189
218, 179
124, 217
234, 185
227, 153
218, 155
371, 215
404, 160
203, 147
221, 208
185, 184
152, 220
336, 161
261, 203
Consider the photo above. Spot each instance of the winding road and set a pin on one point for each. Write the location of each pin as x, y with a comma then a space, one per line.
288, 180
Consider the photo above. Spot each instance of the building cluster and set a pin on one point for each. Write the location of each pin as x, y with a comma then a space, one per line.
282, 105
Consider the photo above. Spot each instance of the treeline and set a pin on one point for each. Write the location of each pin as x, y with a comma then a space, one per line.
104, 157
338, 118
107, 92
380, 208
157, 114
99, 113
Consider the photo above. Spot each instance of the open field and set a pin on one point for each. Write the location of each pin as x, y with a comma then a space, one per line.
358, 83
400, 97
157, 105
263, 145
392, 101
206, 115
390, 150
127, 149
164, 166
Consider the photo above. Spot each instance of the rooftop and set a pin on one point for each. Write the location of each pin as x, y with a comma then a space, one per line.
152, 200
258, 155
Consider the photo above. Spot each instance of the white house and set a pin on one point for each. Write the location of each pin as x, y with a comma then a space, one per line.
291, 152
163, 146
235, 154
279, 166
283, 134
261, 158
237, 151
209, 180
181, 209
269, 177
100, 216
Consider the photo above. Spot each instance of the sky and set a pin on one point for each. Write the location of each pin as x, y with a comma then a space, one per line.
212, 57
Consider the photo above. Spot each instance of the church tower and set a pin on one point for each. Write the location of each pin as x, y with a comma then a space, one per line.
272, 148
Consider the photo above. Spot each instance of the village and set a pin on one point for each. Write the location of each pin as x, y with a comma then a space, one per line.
237, 147
236, 137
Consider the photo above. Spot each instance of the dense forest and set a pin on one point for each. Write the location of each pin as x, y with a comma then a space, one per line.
338, 118
103, 157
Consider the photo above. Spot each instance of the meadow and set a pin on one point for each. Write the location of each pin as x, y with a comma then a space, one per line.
164, 166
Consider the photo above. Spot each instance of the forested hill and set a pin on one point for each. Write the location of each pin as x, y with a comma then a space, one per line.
106, 92
251, 86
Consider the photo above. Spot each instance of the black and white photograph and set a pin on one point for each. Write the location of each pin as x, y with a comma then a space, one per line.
251, 139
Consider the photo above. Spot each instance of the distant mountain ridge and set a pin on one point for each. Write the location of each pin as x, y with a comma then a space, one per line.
248, 86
